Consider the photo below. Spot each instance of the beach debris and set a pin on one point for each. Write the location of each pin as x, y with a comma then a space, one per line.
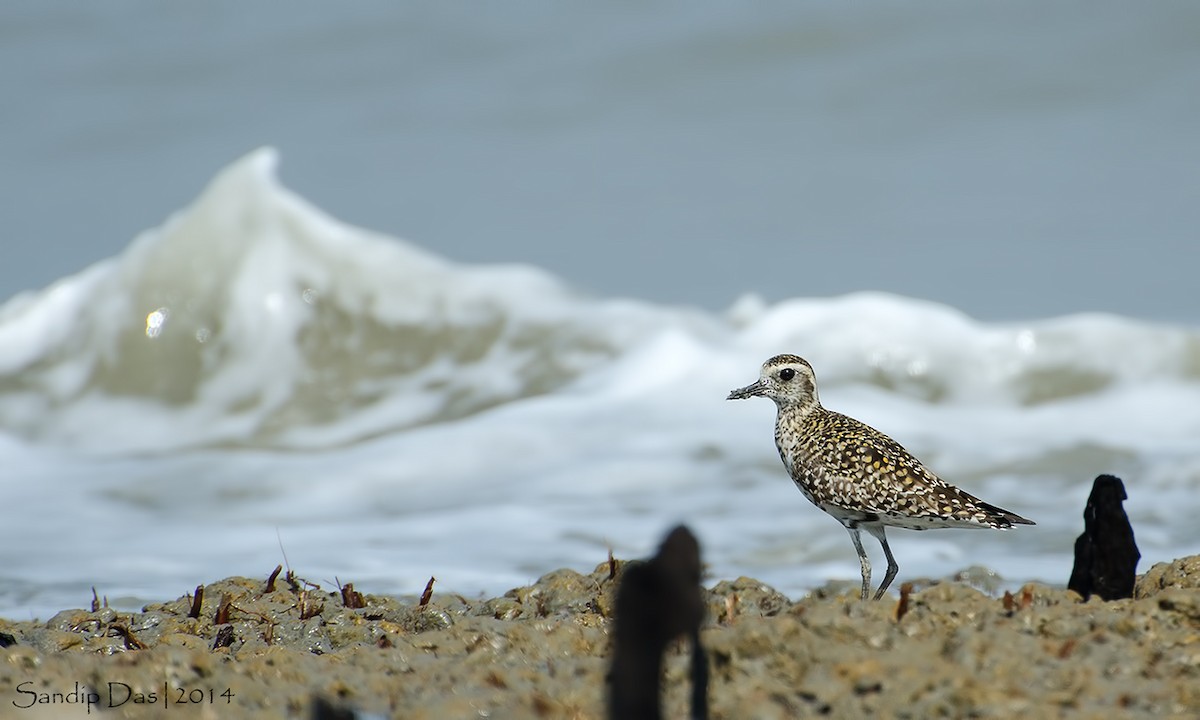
222, 615
428, 593
197, 601
271, 580
224, 637
131, 642
306, 607
902, 606
1106, 555
351, 598
699, 675
323, 709
658, 601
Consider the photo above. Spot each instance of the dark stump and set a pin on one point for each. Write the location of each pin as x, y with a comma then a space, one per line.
658, 601
1106, 555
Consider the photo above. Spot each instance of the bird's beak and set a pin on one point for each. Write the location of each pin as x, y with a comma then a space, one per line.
751, 390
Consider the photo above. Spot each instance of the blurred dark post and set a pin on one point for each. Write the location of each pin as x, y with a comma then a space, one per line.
658, 601
1106, 555
322, 709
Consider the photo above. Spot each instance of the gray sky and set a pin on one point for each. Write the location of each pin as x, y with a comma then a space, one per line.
1013, 160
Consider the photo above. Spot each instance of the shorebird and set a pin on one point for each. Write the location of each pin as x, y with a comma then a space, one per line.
863, 478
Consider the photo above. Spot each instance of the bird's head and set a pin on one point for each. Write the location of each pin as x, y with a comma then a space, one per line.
786, 379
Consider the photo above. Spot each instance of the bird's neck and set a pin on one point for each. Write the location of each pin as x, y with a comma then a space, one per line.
798, 411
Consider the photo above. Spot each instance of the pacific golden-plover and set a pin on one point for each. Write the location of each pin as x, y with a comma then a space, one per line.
863, 478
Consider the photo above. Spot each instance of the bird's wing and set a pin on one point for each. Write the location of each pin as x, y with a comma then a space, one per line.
878, 475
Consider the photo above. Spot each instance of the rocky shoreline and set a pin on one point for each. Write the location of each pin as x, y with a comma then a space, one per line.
945, 649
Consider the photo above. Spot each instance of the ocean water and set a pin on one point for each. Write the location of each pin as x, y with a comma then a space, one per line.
255, 382
1011, 159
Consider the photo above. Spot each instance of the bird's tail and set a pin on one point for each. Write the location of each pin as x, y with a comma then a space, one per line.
1004, 518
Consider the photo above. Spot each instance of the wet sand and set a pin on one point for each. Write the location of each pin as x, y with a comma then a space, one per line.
949, 650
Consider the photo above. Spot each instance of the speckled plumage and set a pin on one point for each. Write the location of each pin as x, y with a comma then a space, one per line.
861, 477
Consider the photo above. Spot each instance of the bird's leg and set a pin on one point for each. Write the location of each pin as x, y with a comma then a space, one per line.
893, 568
863, 560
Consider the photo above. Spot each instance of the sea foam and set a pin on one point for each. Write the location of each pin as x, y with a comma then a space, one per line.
255, 380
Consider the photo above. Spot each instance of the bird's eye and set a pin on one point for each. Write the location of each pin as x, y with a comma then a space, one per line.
787, 374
